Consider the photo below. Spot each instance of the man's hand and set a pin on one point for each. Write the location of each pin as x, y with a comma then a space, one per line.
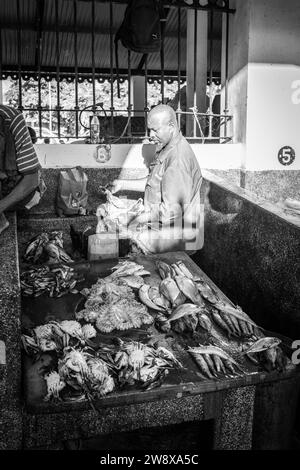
115, 186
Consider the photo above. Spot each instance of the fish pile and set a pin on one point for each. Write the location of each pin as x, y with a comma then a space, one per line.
184, 302
214, 362
267, 352
47, 247
55, 336
82, 372
111, 302
56, 281
136, 363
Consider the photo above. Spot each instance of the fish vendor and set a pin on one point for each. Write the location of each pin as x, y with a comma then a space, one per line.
171, 217
20, 178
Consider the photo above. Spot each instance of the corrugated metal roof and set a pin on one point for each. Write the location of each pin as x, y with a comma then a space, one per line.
29, 35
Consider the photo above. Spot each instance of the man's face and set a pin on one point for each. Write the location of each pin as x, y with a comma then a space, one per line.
160, 130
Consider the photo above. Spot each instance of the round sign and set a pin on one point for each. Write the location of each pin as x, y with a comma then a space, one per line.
286, 155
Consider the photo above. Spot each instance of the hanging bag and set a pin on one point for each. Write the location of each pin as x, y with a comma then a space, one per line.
141, 29
72, 193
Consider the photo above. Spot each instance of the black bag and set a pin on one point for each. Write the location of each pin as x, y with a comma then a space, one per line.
141, 29
72, 193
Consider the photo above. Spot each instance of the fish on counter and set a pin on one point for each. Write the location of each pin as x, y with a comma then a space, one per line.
214, 362
234, 321
47, 247
267, 352
53, 280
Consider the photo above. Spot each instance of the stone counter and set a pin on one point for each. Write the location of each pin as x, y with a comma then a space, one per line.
10, 313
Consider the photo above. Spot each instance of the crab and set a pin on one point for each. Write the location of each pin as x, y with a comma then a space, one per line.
73, 367
54, 385
88, 331
99, 380
136, 355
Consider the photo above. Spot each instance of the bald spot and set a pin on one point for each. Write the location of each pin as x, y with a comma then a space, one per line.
163, 113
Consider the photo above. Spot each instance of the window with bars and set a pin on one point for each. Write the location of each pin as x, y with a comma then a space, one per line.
58, 67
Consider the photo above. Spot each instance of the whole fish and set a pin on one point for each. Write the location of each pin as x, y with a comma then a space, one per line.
199, 358
207, 292
133, 281
236, 312
189, 289
186, 272
164, 269
204, 322
182, 310
170, 290
262, 344
145, 298
213, 350
158, 298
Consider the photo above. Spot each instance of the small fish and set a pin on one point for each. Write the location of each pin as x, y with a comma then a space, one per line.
263, 344
133, 281
164, 269
182, 310
170, 290
189, 288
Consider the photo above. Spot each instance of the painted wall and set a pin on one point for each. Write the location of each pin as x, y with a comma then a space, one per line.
264, 81
273, 116
136, 156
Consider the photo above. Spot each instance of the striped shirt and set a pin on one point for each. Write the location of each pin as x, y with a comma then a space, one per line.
26, 157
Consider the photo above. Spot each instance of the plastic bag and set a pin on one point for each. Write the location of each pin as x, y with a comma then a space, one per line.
72, 193
117, 212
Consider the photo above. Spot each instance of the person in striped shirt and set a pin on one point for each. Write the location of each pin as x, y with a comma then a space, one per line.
20, 175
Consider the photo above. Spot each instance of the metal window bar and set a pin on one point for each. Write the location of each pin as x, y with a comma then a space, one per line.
226, 72
111, 44
93, 55
146, 96
195, 69
75, 14
211, 43
40, 11
78, 74
129, 94
179, 64
57, 68
20, 107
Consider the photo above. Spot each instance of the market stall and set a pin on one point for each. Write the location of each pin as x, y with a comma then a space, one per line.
204, 371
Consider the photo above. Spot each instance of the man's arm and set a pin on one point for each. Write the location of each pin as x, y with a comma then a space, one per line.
129, 185
27, 184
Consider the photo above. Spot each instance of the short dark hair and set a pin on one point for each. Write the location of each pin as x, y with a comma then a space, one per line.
32, 134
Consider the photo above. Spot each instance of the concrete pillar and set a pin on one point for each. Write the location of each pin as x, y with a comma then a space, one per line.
196, 66
138, 94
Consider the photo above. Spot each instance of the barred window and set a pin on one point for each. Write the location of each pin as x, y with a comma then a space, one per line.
58, 66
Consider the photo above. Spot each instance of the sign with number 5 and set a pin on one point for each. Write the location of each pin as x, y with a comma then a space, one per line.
286, 155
